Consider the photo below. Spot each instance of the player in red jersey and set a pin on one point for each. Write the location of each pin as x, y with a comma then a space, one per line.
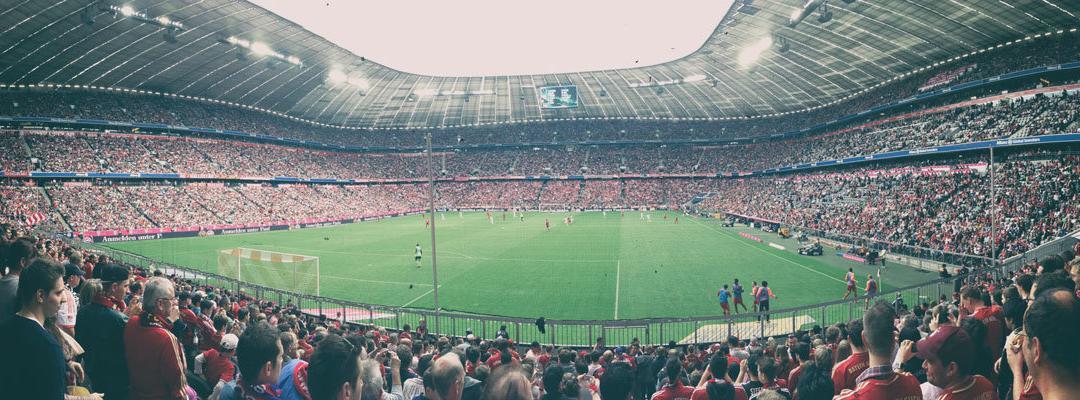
878, 380
849, 278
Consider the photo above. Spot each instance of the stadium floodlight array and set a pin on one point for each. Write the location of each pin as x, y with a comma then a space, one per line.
260, 50
291, 272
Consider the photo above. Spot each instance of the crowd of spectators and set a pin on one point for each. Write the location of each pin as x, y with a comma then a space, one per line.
98, 152
88, 328
949, 210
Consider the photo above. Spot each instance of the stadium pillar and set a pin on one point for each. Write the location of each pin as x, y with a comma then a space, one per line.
431, 207
993, 213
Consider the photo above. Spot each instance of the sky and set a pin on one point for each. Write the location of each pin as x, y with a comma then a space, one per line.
508, 37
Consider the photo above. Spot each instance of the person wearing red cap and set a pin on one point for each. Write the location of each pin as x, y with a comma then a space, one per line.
948, 357
879, 380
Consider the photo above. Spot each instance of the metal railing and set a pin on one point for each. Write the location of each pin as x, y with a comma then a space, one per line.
690, 330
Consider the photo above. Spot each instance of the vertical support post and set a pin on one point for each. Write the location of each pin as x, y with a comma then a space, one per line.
431, 208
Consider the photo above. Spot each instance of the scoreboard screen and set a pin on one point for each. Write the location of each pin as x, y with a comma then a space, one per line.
558, 97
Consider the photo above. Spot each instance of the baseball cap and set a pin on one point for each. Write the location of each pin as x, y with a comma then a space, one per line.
71, 269
114, 273
229, 341
948, 344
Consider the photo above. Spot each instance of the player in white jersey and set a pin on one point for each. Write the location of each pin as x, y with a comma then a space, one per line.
419, 253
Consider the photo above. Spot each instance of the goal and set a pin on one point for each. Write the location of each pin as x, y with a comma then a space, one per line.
292, 272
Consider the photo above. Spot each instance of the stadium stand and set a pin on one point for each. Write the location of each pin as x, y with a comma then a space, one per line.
161, 333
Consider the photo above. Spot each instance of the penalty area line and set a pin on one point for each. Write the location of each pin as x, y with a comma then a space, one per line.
432, 290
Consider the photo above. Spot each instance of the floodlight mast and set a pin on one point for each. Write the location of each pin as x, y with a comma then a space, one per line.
431, 209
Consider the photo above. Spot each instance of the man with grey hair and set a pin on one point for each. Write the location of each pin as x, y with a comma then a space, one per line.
373, 380
448, 377
155, 358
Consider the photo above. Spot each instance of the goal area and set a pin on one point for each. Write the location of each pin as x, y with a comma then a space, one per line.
292, 272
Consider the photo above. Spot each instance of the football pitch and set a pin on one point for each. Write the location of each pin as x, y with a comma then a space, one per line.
602, 267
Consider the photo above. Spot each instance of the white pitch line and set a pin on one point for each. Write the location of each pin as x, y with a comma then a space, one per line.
618, 270
419, 297
766, 252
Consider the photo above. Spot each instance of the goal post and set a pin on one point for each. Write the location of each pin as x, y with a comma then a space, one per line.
292, 272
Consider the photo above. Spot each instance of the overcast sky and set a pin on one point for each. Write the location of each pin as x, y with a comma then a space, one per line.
508, 37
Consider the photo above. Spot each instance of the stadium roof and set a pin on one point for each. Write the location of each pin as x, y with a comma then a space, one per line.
236, 52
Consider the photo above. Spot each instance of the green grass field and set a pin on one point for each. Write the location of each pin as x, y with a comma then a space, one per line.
599, 268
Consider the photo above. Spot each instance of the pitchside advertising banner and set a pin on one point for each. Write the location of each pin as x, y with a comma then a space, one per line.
169, 233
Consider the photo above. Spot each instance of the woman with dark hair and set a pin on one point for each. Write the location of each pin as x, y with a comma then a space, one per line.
720, 390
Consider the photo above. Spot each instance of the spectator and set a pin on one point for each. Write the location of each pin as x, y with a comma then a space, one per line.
674, 388
617, 383
949, 359
815, 382
334, 372
16, 256
971, 300
767, 370
846, 373
258, 356
879, 379
35, 367
217, 365
800, 353
291, 381
155, 358
68, 315
100, 330
552, 381
509, 383
1047, 346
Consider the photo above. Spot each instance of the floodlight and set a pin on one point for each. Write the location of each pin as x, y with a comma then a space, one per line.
336, 77
751, 54
260, 49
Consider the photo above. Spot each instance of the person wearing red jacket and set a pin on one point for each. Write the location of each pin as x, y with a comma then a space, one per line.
879, 381
155, 358
674, 388
845, 373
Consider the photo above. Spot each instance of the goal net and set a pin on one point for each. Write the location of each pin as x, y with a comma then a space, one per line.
292, 272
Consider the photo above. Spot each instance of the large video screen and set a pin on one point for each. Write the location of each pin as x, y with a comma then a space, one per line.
558, 97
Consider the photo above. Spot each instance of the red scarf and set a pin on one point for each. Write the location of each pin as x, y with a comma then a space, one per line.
151, 319
110, 302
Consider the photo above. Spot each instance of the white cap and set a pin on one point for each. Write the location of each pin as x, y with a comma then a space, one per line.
229, 341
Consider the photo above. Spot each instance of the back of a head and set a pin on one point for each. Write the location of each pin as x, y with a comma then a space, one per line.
333, 364
446, 371
1052, 320
616, 383
718, 364
17, 251
877, 328
1051, 263
972, 293
40, 275
769, 394
815, 383
258, 345
854, 335
1048, 281
508, 383
673, 368
802, 351
767, 369
552, 378
373, 380
823, 357
719, 390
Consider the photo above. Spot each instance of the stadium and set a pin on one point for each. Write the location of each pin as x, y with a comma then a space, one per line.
615, 203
